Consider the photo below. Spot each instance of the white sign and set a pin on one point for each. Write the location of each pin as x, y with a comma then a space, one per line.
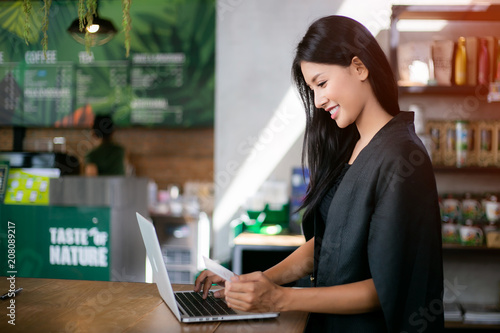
78, 247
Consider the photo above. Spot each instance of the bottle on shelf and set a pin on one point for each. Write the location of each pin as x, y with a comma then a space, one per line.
442, 60
461, 63
483, 73
497, 63
494, 90
462, 140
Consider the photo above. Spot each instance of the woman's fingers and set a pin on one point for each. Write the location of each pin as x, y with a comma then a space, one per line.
207, 285
250, 302
221, 293
237, 304
252, 292
204, 282
200, 280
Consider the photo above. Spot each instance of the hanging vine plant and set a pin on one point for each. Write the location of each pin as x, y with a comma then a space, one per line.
86, 11
27, 7
127, 24
45, 26
88, 18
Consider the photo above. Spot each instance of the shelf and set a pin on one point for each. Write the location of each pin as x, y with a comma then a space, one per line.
467, 170
443, 90
461, 325
159, 217
473, 12
246, 238
458, 247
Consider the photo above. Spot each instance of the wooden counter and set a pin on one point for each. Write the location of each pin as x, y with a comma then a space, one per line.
52, 305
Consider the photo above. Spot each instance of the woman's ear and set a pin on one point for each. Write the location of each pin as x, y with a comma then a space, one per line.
359, 68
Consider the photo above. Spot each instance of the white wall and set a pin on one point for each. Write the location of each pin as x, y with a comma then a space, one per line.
255, 48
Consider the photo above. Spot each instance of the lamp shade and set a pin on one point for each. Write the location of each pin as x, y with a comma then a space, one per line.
101, 31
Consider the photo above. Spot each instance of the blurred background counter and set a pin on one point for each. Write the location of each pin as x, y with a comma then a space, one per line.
74, 227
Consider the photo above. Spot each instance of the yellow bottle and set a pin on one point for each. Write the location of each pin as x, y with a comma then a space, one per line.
461, 63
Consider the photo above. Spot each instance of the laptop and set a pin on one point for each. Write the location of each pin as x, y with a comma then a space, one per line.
187, 306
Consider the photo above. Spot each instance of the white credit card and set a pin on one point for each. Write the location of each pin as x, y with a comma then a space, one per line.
221, 271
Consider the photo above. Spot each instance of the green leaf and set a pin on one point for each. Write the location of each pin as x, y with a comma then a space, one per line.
12, 19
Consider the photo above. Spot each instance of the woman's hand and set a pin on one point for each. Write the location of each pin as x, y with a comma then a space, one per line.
205, 280
254, 292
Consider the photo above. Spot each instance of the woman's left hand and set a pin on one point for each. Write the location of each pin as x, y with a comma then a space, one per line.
254, 292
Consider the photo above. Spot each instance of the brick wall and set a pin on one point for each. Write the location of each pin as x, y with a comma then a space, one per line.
6, 135
168, 156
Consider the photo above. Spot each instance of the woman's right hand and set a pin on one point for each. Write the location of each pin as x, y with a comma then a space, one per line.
205, 281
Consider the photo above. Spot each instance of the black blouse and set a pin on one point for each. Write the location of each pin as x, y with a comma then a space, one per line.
327, 199
383, 223
323, 211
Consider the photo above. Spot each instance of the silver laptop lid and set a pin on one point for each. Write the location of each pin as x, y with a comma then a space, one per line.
155, 256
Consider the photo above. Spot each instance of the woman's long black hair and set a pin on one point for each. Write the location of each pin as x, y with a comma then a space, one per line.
326, 148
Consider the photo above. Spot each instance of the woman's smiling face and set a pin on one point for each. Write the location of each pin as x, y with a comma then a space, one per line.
338, 90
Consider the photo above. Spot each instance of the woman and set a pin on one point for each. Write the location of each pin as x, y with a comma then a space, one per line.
371, 215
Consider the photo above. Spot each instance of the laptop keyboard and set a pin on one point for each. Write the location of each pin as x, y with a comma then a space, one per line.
196, 306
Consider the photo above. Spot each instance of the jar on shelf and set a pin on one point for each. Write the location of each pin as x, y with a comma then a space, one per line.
496, 143
471, 234
452, 209
450, 145
492, 235
450, 231
492, 209
486, 153
473, 145
435, 130
471, 208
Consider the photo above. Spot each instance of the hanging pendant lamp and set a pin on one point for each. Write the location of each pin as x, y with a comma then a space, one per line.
101, 30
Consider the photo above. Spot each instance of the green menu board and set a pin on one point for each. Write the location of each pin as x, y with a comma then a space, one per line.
168, 79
